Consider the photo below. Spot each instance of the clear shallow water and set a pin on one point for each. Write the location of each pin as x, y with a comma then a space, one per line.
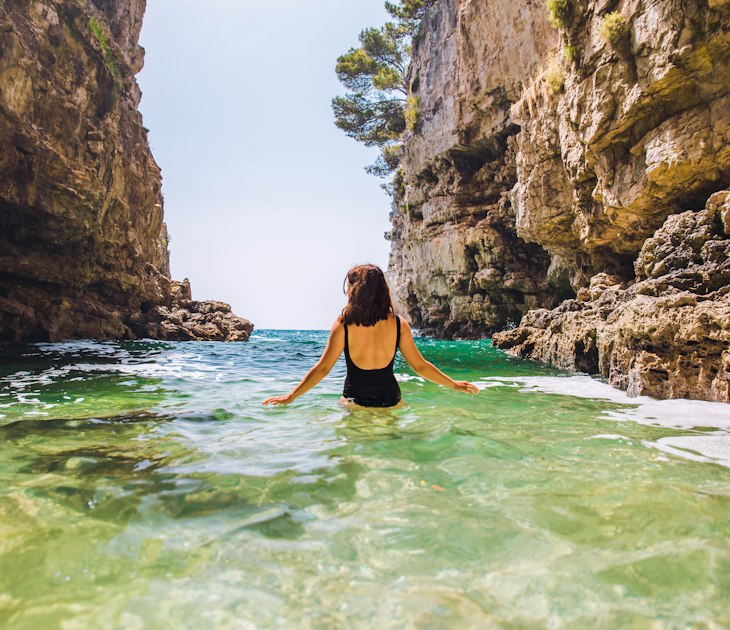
143, 485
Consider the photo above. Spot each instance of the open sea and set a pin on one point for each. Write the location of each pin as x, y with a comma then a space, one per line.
143, 485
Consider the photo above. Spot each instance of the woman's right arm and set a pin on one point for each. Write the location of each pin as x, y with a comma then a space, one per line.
424, 368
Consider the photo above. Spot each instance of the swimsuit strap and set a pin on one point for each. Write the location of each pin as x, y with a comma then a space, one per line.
397, 335
345, 336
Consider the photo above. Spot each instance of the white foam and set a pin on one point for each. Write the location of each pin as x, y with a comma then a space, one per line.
610, 436
700, 448
494, 382
685, 414
677, 413
98, 348
403, 378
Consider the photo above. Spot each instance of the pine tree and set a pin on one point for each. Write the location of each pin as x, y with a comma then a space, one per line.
378, 100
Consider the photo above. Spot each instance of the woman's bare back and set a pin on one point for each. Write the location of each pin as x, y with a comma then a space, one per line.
372, 347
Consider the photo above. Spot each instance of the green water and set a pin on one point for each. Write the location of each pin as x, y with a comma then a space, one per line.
143, 485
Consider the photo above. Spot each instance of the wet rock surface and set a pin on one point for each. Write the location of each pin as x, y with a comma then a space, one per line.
83, 243
666, 334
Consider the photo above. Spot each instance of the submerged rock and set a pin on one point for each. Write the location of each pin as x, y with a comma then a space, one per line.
83, 244
667, 334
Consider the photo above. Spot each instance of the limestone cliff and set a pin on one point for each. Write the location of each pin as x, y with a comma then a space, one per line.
83, 244
457, 264
586, 138
667, 333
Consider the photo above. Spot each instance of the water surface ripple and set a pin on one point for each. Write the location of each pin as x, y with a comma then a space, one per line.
143, 485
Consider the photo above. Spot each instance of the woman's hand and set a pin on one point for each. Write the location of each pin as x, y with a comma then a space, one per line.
466, 387
279, 400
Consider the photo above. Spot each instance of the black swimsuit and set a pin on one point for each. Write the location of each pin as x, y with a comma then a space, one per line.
372, 388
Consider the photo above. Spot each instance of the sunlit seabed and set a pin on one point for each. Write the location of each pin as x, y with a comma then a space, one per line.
145, 486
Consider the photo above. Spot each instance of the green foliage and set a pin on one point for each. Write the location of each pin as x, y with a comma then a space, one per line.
386, 162
558, 13
376, 110
374, 123
569, 53
99, 32
614, 28
408, 13
412, 111
553, 76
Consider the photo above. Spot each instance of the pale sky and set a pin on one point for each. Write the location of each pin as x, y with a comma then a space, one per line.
266, 201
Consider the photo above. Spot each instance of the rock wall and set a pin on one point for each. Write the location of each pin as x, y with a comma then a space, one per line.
457, 265
639, 130
667, 333
83, 244
586, 138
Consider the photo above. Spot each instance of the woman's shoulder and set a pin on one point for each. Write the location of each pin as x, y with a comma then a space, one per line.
404, 326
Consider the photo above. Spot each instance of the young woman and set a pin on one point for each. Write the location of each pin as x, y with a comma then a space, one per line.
370, 333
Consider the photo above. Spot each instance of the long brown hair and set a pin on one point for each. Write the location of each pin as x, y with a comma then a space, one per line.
368, 296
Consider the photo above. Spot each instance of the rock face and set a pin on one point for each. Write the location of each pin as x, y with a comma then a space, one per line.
639, 130
457, 265
667, 334
83, 245
577, 143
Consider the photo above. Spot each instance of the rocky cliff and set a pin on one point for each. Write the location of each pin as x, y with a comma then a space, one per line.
457, 265
584, 144
83, 244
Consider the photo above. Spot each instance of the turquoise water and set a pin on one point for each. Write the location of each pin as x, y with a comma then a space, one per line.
143, 485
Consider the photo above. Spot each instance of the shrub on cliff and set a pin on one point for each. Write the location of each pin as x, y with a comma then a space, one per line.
553, 76
558, 13
412, 111
614, 28
99, 33
569, 53
380, 106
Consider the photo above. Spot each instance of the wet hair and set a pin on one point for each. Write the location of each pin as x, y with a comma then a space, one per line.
368, 296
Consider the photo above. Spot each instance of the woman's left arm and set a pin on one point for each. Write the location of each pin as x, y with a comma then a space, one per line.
335, 346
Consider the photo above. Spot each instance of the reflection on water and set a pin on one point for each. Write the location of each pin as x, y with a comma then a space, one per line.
143, 485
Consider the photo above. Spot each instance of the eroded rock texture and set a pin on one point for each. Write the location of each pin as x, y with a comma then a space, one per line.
578, 143
667, 334
458, 267
83, 245
640, 130
185, 319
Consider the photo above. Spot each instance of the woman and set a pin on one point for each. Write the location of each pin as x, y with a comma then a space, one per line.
370, 333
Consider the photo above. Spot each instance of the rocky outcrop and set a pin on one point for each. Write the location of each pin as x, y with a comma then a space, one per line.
83, 244
666, 334
577, 143
186, 319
